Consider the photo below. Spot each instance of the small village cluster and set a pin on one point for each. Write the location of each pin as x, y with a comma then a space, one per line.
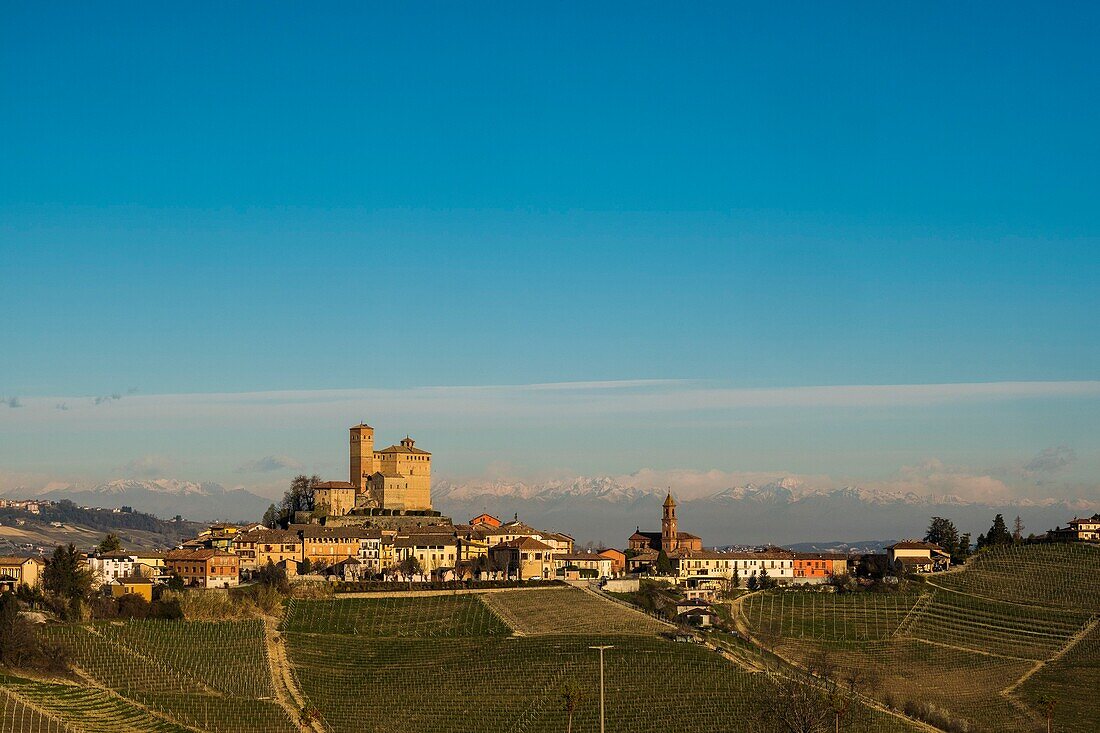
380, 525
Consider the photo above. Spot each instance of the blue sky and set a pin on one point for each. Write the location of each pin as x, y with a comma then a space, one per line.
208, 199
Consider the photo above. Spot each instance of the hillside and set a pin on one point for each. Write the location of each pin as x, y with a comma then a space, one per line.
440, 663
165, 498
24, 533
982, 644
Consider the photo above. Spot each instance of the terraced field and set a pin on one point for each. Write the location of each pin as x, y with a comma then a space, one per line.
1069, 680
1046, 575
568, 611
443, 616
210, 676
852, 617
32, 707
981, 644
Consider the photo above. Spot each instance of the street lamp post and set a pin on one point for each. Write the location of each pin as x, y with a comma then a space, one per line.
601, 648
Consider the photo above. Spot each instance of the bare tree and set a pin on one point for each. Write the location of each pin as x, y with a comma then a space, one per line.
570, 698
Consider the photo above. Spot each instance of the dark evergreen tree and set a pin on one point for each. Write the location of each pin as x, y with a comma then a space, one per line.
664, 565
998, 534
942, 532
66, 575
110, 543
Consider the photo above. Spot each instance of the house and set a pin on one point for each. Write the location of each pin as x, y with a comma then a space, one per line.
525, 558
818, 567
206, 568
577, 565
514, 530
139, 586
487, 519
695, 613
258, 547
16, 571
1078, 530
108, 566
349, 570
917, 556
617, 558
437, 552
324, 546
375, 551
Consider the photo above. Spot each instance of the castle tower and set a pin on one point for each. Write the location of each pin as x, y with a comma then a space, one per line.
668, 524
362, 455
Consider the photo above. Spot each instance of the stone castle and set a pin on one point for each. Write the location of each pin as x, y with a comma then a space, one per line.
396, 479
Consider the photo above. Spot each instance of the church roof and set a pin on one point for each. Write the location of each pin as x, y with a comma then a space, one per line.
669, 501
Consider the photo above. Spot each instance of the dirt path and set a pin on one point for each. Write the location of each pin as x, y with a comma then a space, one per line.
1074, 640
287, 694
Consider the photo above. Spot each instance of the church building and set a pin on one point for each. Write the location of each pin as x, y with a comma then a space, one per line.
669, 538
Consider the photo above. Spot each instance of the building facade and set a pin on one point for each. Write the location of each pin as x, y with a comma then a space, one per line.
206, 568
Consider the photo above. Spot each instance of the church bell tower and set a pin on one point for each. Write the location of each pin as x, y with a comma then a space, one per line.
668, 524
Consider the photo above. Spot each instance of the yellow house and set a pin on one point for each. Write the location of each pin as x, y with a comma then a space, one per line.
436, 553
256, 548
324, 546
16, 571
918, 556
525, 558
137, 585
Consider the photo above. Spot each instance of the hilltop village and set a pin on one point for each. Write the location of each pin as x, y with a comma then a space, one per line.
380, 526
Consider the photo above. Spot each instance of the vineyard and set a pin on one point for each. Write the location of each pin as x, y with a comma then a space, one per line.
439, 615
981, 644
455, 674
205, 675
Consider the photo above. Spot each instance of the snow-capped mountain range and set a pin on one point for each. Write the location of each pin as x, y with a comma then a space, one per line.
781, 511
607, 509
163, 497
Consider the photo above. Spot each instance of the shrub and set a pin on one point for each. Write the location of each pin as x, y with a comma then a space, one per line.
21, 647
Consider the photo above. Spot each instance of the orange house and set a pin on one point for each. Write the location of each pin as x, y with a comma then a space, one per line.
819, 565
617, 558
487, 519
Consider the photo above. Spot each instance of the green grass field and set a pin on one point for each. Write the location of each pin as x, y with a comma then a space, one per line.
964, 643
568, 611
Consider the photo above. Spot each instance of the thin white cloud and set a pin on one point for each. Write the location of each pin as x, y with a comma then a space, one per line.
577, 399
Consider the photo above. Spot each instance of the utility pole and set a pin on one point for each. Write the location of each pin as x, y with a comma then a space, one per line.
601, 648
